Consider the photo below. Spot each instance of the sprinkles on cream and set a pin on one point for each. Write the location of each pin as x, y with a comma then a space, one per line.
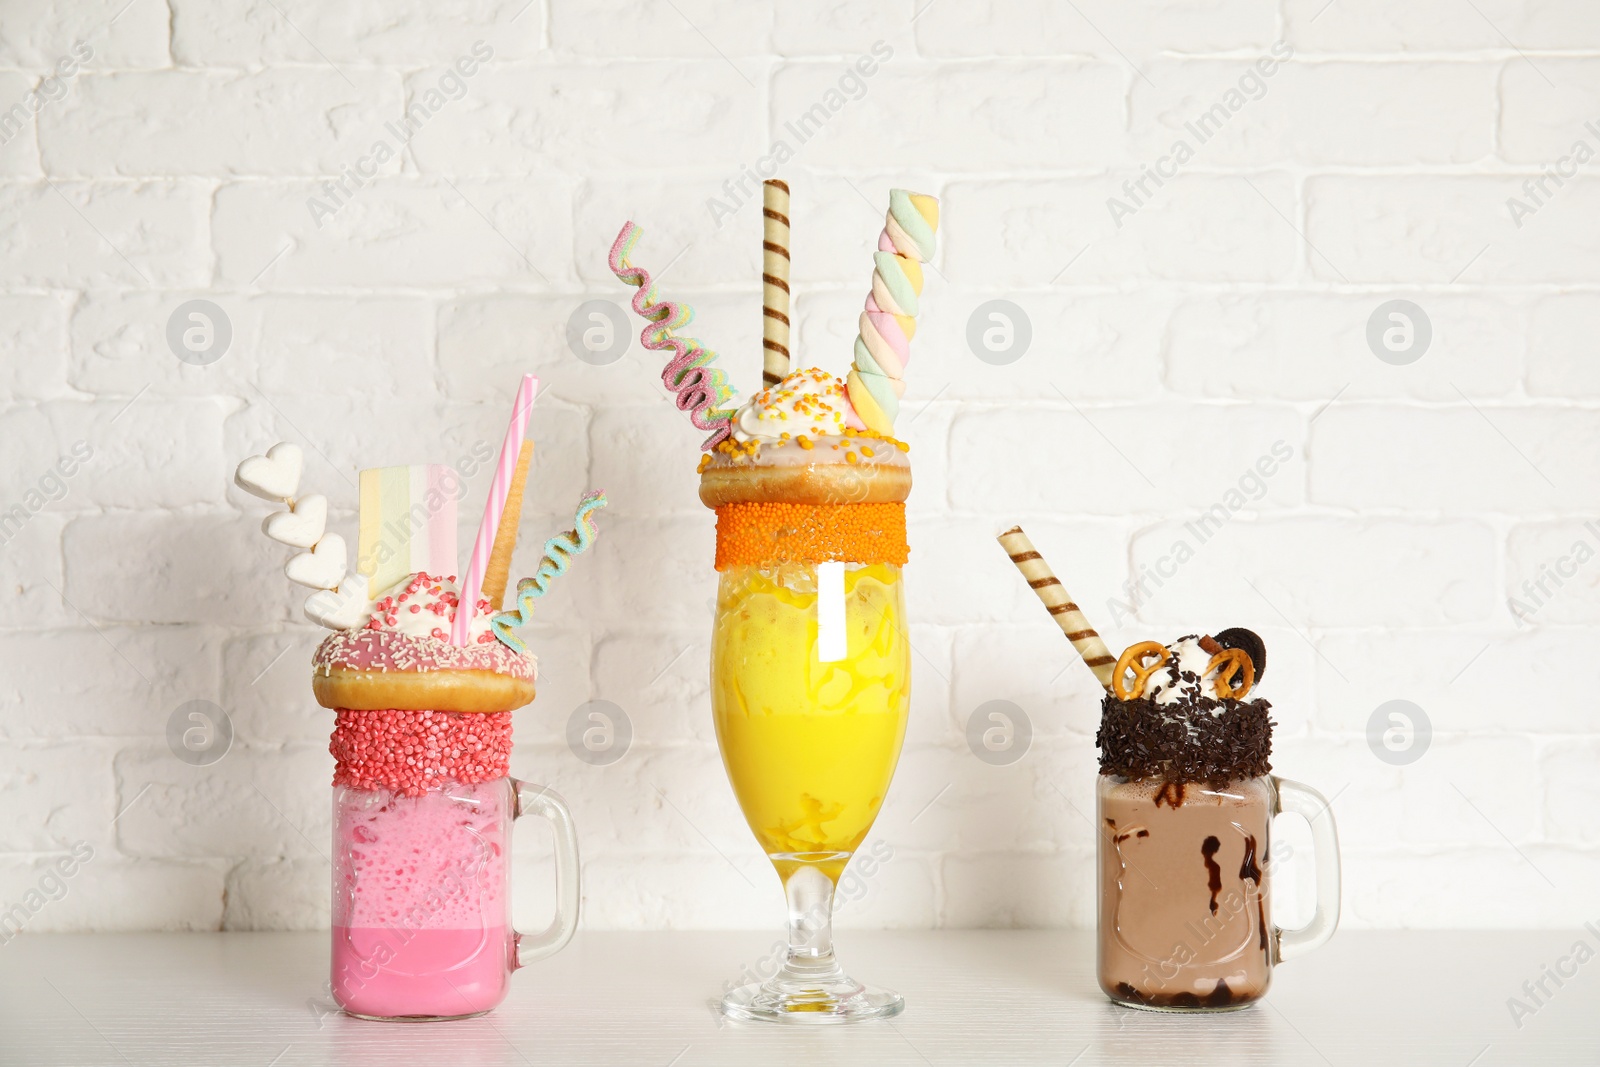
424, 605
804, 419
409, 630
809, 401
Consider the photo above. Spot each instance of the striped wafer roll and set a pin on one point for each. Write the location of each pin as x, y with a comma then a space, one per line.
504, 470
498, 572
775, 282
1055, 599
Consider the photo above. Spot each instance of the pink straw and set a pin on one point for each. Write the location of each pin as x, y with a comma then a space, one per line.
472, 587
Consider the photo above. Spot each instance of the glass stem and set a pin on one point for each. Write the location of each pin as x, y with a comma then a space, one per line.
810, 893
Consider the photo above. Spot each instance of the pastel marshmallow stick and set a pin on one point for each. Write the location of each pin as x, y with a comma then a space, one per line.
896, 284
883, 346
407, 524
877, 379
911, 225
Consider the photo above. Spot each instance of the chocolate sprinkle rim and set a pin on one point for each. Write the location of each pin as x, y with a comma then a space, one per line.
1185, 743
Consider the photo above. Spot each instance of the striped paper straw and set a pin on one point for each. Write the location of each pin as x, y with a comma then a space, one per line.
774, 281
1044, 583
504, 473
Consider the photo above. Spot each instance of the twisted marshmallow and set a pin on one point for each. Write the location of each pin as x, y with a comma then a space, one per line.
883, 345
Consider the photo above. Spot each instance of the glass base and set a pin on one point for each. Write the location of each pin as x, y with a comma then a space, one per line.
416, 1018
1180, 1009
790, 998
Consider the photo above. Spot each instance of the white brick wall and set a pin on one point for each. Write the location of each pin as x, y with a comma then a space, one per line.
1228, 312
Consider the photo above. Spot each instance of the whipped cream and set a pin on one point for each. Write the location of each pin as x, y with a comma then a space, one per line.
424, 605
1182, 679
808, 402
791, 452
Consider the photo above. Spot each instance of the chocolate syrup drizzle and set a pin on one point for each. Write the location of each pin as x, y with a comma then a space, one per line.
1208, 849
1249, 869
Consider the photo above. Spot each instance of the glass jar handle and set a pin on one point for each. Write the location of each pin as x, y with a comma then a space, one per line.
1298, 799
545, 802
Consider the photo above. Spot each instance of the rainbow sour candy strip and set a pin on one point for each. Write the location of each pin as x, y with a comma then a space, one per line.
558, 553
700, 389
883, 346
408, 522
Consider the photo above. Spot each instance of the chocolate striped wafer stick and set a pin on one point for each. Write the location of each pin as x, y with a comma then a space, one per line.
1055, 599
774, 282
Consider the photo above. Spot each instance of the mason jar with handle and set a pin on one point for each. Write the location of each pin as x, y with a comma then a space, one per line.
1185, 889
422, 897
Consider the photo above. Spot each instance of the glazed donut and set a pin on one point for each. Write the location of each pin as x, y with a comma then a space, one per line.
369, 670
826, 470
821, 483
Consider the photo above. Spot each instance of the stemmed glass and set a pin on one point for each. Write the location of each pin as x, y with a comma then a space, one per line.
811, 687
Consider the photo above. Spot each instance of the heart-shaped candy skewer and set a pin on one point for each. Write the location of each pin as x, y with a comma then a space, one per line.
274, 476
343, 609
322, 567
300, 527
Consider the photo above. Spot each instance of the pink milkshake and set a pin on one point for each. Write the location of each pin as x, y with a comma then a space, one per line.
421, 923
422, 805
422, 809
422, 673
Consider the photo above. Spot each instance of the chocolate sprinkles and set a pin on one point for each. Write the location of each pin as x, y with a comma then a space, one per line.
1185, 743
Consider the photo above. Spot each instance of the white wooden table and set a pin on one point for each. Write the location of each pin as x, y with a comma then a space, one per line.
974, 997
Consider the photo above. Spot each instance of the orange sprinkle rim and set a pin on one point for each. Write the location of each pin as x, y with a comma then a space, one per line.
770, 532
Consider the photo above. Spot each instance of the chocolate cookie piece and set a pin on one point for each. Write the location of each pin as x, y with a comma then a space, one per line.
1248, 642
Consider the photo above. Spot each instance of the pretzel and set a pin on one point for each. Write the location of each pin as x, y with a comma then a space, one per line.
1228, 663
1133, 659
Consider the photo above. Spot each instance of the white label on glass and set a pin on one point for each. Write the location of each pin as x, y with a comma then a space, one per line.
832, 644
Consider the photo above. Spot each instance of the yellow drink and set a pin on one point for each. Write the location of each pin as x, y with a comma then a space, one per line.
810, 747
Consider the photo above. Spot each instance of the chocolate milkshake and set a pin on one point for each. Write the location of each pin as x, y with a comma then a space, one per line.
1185, 808
1185, 812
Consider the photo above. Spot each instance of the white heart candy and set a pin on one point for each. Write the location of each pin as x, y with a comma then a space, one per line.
322, 567
274, 476
300, 527
342, 610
